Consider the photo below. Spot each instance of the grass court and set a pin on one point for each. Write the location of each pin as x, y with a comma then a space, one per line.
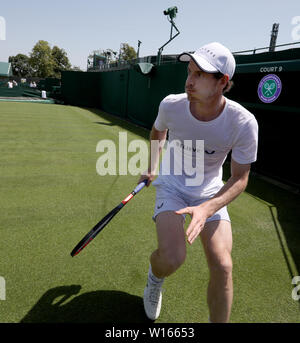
51, 196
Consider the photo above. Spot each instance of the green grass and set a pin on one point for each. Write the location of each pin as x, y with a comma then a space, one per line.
51, 195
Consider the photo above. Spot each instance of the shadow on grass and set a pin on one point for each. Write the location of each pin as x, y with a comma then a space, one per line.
55, 306
103, 123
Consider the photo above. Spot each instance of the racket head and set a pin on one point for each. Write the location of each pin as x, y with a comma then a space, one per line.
104, 221
83, 243
95, 230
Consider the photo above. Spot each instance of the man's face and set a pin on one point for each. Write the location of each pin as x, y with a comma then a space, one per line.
201, 86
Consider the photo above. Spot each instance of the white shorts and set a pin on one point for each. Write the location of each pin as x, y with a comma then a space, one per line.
169, 199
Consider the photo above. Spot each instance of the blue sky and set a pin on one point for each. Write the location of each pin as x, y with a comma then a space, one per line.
80, 27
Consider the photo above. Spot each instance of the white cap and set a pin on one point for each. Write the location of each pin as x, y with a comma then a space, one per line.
212, 58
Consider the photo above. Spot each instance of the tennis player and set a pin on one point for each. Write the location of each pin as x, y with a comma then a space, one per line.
204, 126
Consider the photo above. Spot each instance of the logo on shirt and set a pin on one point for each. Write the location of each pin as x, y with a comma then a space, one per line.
160, 206
188, 147
269, 88
193, 149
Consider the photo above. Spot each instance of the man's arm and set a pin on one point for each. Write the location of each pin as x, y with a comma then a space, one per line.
236, 184
157, 140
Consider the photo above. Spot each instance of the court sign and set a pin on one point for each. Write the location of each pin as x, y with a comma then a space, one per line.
269, 88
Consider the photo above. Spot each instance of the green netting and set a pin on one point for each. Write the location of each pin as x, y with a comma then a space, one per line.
146, 92
80, 88
113, 88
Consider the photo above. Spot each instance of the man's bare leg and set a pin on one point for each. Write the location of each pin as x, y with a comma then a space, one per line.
165, 260
171, 251
217, 242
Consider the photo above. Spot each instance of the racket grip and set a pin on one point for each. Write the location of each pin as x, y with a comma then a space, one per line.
140, 186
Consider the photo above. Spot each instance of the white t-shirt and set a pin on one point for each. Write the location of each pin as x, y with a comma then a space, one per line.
196, 151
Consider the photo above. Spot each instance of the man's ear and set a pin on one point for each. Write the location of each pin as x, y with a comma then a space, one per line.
225, 79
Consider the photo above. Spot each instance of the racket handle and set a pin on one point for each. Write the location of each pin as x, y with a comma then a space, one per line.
140, 186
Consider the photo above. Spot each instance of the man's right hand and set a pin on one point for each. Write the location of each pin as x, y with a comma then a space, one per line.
147, 175
158, 137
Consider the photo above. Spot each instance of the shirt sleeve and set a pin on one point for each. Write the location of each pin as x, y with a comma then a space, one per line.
160, 122
244, 150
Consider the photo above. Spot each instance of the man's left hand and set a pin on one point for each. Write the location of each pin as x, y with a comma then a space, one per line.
199, 216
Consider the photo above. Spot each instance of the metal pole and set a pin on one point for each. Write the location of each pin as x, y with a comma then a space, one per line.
138, 51
171, 38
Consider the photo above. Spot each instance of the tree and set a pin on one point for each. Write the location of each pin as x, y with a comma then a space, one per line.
20, 65
41, 60
61, 61
127, 52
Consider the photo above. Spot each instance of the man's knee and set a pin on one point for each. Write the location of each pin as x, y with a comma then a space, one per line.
175, 260
172, 260
221, 264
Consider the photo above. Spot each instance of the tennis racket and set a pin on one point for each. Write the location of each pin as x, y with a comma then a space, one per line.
104, 221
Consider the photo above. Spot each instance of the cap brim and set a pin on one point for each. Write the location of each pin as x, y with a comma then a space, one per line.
200, 61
